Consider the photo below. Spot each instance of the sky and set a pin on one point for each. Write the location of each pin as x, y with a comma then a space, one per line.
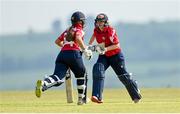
18, 16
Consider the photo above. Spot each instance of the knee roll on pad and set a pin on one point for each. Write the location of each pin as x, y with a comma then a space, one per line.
98, 71
82, 79
82, 87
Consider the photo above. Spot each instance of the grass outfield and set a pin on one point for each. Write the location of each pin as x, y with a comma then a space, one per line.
115, 100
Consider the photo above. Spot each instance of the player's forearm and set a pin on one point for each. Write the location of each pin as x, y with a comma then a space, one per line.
112, 47
59, 43
91, 40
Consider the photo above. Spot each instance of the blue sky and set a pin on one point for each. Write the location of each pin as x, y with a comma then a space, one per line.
17, 16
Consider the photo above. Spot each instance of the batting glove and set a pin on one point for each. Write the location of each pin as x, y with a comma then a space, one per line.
101, 49
87, 53
92, 47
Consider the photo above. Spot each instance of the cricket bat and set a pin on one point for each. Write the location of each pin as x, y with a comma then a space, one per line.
69, 87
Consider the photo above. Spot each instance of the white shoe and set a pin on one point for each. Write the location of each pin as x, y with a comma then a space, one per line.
80, 101
96, 100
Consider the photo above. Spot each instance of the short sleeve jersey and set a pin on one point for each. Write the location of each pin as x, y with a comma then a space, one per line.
109, 37
77, 32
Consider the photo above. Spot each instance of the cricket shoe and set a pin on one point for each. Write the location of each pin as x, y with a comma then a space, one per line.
38, 90
138, 99
86, 100
96, 100
80, 101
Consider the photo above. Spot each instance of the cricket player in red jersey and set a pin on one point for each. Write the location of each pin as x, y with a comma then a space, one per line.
110, 54
70, 56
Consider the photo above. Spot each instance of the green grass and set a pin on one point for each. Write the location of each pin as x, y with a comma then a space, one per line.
115, 100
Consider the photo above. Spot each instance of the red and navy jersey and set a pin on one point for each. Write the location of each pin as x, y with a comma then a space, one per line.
109, 37
77, 31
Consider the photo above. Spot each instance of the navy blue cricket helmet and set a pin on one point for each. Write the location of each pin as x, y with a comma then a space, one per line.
78, 16
102, 17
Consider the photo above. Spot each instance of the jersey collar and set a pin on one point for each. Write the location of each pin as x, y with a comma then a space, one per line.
104, 30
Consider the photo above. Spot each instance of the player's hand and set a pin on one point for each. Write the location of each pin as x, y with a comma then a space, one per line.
87, 53
101, 49
92, 47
